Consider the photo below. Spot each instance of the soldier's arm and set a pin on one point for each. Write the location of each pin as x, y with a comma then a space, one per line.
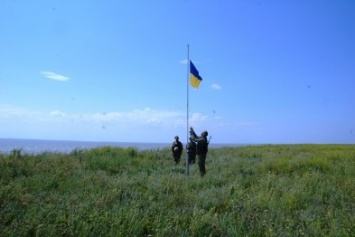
193, 134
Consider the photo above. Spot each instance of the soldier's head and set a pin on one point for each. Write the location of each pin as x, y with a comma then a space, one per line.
176, 138
204, 134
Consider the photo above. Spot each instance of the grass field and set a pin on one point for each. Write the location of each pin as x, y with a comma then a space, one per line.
271, 190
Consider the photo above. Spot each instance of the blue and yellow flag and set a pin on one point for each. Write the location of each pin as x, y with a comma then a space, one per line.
195, 78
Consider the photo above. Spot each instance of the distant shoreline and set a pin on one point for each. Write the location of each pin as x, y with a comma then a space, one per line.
67, 146
36, 146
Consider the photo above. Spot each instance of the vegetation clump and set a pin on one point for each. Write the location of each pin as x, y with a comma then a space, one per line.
271, 190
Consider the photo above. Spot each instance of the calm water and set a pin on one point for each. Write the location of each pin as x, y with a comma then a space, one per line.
38, 146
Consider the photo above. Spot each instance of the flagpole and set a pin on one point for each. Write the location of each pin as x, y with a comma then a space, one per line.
187, 109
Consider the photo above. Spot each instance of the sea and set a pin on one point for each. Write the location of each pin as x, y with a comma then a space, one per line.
34, 146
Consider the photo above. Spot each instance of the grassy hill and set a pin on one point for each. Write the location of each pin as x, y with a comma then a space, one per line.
271, 190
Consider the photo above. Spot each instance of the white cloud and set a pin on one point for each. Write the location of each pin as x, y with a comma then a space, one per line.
10, 112
137, 116
154, 121
54, 76
197, 118
133, 125
134, 117
216, 86
184, 61
57, 113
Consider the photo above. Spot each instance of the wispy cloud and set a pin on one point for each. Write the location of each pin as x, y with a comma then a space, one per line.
57, 113
184, 61
198, 118
137, 116
54, 76
133, 117
9, 112
134, 125
215, 86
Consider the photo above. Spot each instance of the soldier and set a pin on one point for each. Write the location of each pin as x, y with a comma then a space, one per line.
201, 149
176, 149
191, 151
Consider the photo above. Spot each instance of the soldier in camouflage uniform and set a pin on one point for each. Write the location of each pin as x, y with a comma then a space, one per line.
201, 149
191, 151
176, 149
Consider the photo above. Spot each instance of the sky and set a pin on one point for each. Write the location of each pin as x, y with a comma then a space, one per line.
274, 71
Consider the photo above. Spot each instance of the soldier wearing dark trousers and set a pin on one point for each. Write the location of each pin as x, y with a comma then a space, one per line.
201, 149
176, 149
191, 151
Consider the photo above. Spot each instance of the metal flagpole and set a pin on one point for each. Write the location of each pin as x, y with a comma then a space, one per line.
187, 110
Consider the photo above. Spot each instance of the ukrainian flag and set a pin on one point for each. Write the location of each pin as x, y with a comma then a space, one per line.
195, 78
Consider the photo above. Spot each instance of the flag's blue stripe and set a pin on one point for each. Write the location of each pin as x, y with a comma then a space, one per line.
194, 71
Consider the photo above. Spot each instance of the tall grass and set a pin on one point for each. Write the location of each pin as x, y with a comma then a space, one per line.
273, 190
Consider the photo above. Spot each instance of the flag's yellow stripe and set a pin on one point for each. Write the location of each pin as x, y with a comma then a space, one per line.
194, 81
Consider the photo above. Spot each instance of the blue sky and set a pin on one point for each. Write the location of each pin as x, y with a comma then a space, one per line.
273, 71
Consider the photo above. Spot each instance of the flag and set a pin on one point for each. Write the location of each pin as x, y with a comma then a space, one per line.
195, 78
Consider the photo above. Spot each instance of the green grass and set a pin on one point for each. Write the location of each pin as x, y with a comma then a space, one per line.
272, 190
